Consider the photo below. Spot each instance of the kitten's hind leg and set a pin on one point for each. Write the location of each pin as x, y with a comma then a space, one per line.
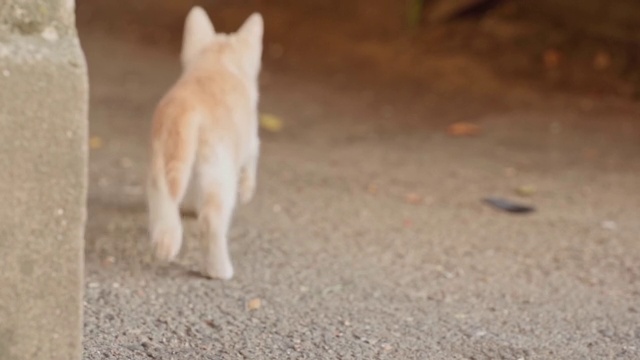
218, 189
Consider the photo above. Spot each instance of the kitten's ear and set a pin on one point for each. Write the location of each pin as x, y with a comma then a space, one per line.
250, 34
198, 33
253, 28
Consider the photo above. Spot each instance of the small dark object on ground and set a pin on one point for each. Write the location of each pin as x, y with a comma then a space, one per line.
442, 11
508, 206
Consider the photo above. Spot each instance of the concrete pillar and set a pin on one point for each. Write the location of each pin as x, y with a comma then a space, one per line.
43, 180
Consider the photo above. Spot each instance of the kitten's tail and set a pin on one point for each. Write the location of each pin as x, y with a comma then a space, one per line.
175, 140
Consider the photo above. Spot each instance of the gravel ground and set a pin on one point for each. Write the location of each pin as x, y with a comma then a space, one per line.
367, 238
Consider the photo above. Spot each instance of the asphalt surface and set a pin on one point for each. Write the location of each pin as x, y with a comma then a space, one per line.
368, 238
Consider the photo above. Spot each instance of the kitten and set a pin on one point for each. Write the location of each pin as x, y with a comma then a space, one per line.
205, 144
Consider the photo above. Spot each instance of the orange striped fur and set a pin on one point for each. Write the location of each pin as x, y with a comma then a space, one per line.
205, 145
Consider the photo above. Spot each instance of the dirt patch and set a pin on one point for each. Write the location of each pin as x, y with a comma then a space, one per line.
367, 237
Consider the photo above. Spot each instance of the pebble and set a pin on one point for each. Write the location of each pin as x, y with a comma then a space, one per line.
254, 304
609, 225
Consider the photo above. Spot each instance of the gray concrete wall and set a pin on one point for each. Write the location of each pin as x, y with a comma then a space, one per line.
43, 180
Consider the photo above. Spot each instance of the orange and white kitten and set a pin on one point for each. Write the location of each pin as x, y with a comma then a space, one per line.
205, 143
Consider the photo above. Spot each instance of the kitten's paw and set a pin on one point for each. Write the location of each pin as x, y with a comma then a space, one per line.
222, 270
246, 195
167, 242
247, 186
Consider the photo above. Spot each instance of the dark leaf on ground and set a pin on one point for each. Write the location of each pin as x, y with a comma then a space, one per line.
508, 206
